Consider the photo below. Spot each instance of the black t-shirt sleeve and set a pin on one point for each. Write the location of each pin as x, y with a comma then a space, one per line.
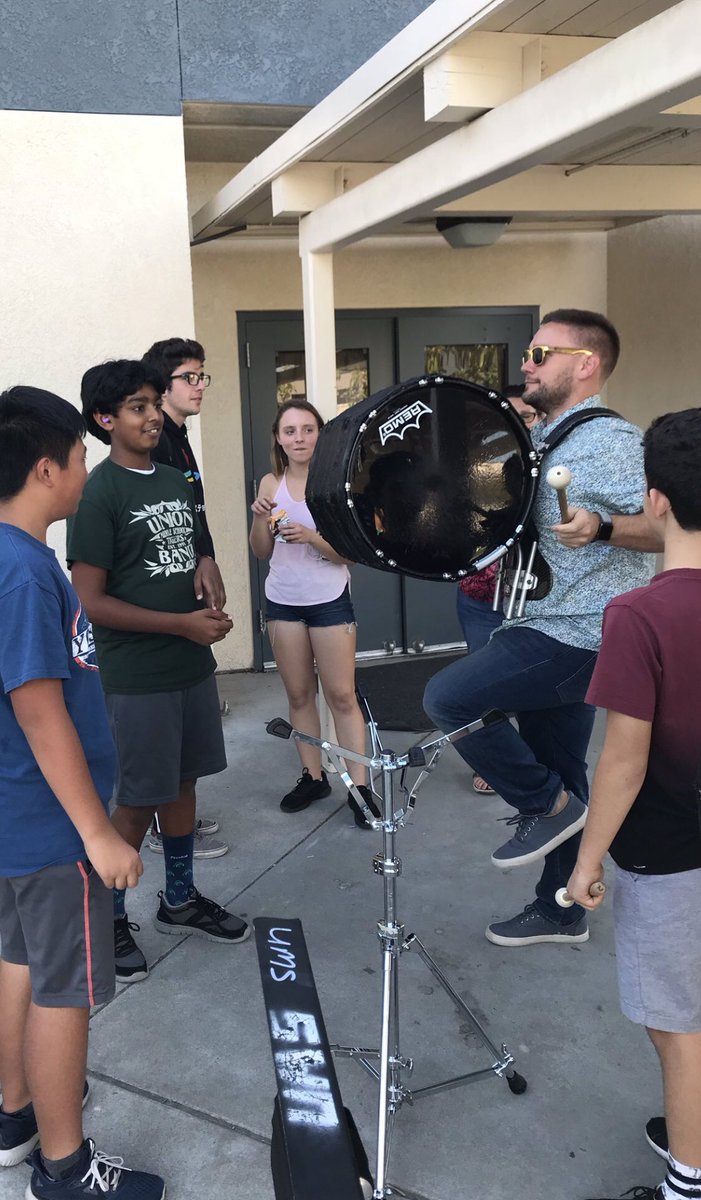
163, 452
203, 538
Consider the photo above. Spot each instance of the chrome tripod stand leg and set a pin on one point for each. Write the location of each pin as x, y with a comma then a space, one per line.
385, 1119
503, 1060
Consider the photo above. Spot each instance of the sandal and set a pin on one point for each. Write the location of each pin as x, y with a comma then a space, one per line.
481, 787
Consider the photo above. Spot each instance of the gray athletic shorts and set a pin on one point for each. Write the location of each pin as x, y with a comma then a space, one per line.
658, 949
59, 923
163, 738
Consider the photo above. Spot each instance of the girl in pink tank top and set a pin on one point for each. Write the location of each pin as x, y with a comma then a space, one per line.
308, 608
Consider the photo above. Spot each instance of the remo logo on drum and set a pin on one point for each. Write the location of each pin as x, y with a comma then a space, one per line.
406, 418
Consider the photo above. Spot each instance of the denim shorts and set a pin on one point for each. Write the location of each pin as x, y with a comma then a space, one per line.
314, 616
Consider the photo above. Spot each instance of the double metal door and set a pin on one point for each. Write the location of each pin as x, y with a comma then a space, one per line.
395, 614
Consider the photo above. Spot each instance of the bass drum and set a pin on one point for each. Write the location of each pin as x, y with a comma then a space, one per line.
433, 478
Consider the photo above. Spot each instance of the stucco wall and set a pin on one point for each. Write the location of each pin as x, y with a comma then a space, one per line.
654, 299
229, 276
124, 56
94, 245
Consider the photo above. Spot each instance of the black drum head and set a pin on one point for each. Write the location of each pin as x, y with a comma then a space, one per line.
427, 478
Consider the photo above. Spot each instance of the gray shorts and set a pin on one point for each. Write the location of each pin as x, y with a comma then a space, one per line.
59, 923
163, 738
658, 949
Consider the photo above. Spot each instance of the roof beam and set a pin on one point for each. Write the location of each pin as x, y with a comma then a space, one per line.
484, 70
546, 191
309, 185
654, 66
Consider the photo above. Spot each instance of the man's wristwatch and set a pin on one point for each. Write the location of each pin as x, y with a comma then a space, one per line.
603, 533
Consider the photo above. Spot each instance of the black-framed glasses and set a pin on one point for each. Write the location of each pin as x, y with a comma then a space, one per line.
194, 377
538, 354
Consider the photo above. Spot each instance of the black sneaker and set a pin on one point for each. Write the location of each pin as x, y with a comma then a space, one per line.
18, 1137
358, 814
308, 790
96, 1174
203, 917
19, 1134
656, 1136
129, 962
637, 1193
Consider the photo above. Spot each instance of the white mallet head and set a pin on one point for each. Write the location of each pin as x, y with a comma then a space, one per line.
558, 478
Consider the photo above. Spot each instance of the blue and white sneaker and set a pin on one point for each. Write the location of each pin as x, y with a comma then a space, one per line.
95, 1175
536, 836
19, 1135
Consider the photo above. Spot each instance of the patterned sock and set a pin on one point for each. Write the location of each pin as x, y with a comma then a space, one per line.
119, 902
177, 852
681, 1182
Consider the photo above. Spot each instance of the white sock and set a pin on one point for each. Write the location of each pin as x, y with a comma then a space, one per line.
681, 1182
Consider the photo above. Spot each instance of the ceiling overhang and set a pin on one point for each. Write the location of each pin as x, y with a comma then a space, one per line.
476, 122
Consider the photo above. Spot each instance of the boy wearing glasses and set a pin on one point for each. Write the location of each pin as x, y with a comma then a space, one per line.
181, 363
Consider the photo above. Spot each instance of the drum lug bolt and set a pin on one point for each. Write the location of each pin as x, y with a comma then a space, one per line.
386, 866
418, 645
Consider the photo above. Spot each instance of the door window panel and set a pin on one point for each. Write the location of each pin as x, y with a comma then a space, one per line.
352, 376
481, 362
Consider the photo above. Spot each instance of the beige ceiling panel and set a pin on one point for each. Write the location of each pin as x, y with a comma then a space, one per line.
221, 143
635, 16
377, 139
602, 18
546, 17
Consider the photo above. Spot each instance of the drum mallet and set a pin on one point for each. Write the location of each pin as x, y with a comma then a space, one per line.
560, 478
564, 899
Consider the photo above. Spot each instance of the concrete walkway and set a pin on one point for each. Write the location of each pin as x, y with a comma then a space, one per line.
180, 1064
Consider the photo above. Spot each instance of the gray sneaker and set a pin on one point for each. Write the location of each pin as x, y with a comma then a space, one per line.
537, 836
129, 962
204, 846
530, 926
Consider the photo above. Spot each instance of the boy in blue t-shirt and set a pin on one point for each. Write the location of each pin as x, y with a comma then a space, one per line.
132, 552
59, 852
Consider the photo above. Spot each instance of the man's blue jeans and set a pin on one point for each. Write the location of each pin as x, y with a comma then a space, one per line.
542, 682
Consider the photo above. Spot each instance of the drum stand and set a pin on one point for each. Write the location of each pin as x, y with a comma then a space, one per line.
392, 1066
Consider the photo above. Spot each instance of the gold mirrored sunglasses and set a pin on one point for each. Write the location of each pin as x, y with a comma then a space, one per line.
537, 354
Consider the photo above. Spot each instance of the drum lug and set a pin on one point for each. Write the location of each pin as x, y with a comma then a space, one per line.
418, 645
389, 647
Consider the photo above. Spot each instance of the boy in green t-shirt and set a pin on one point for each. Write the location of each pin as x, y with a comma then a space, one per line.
131, 549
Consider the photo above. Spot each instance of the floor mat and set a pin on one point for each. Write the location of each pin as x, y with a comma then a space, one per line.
395, 688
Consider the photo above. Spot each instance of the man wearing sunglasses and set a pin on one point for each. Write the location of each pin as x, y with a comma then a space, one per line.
538, 666
181, 362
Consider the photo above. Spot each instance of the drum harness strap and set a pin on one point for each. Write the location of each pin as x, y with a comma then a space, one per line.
534, 582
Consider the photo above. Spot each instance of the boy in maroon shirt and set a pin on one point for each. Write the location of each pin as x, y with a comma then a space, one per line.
646, 796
